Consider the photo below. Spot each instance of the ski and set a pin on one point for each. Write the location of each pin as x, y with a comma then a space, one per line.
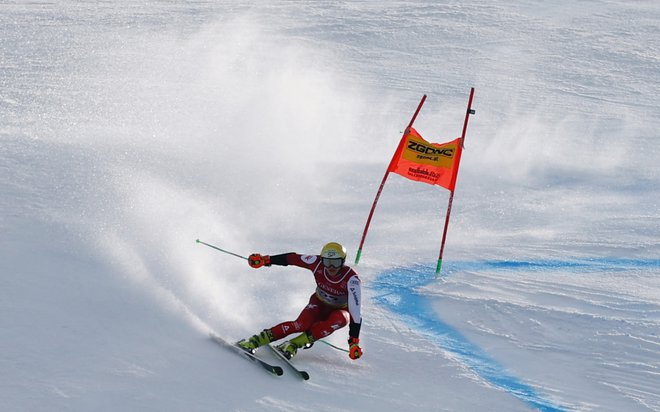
275, 370
302, 374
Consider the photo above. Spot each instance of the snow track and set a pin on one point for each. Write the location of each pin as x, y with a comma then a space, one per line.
130, 129
523, 321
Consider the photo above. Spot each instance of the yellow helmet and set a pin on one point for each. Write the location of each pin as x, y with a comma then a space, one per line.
333, 255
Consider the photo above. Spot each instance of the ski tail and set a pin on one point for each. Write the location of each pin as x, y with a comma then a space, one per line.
301, 373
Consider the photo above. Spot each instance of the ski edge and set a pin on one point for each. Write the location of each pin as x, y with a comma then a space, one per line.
301, 373
274, 369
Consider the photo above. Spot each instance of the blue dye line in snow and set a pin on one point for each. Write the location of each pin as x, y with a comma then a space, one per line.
608, 265
397, 291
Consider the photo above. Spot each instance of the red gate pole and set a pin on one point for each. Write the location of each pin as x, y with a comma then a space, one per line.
382, 183
451, 195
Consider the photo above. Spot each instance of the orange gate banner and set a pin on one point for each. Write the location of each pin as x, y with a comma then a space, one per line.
432, 163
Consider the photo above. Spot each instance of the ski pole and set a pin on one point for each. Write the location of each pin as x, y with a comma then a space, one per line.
222, 250
333, 346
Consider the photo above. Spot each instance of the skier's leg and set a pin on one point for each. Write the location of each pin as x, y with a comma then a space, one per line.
304, 321
337, 319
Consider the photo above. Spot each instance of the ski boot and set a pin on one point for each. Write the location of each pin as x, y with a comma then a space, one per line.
290, 348
251, 344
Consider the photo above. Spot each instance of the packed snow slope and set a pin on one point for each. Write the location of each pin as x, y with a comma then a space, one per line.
130, 129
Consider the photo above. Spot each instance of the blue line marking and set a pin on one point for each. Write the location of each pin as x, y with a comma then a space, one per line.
577, 265
397, 292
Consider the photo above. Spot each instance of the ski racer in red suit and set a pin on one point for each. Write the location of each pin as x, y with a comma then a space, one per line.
334, 304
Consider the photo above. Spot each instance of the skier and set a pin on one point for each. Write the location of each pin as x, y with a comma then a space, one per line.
335, 303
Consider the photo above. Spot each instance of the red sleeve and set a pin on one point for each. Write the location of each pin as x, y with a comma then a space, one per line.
304, 261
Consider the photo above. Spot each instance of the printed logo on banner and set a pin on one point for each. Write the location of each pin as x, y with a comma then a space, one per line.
422, 152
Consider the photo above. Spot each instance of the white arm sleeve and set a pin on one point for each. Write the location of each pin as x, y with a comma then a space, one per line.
354, 299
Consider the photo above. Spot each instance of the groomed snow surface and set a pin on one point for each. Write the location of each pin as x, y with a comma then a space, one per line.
129, 130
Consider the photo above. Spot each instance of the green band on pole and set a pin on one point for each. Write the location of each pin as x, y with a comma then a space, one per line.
438, 268
357, 256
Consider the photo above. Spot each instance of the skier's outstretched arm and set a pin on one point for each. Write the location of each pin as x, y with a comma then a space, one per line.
257, 260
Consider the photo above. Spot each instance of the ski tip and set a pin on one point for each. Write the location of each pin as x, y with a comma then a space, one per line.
278, 371
304, 375
197, 241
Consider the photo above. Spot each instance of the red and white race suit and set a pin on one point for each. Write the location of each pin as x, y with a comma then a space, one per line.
335, 303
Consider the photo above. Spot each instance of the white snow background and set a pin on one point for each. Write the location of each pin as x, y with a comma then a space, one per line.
130, 129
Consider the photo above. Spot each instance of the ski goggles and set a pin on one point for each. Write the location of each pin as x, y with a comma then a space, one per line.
333, 262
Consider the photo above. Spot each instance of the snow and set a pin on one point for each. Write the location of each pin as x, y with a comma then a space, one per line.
129, 130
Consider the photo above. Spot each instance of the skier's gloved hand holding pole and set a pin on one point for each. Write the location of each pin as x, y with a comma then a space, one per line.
354, 349
256, 260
